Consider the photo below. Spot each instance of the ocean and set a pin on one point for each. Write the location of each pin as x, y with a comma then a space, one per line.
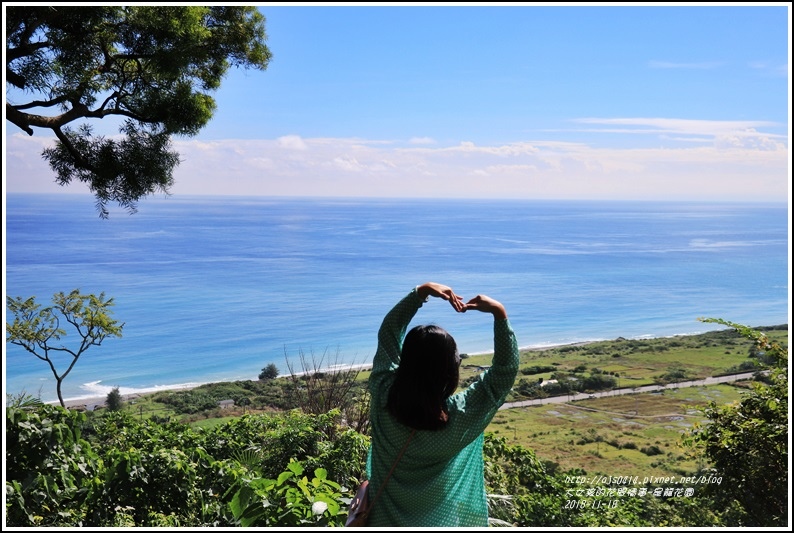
216, 288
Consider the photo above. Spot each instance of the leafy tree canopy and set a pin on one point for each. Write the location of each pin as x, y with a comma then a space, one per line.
152, 67
269, 372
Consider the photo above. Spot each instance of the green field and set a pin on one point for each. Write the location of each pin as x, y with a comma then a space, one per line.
607, 435
640, 362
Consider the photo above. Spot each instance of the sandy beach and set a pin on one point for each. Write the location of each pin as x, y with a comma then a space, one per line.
90, 403
94, 402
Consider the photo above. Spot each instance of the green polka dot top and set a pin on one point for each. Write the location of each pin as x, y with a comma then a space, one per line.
439, 481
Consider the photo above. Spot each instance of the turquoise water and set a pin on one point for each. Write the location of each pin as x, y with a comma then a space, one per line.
213, 289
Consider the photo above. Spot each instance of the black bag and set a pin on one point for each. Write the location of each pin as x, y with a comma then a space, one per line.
359, 507
358, 514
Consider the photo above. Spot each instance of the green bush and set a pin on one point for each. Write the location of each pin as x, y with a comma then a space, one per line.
290, 500
537, 369
48, 465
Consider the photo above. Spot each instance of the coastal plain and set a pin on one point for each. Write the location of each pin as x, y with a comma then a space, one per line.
616, 432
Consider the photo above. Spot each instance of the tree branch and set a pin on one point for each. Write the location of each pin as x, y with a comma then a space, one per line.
79, 160
24, 49
42, 103
15, 79
18, 119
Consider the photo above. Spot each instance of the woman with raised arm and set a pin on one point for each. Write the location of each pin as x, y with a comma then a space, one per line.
425, 461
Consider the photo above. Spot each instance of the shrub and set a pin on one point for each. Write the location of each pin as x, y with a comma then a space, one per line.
269, 372
114, 400
651, 450
289, 500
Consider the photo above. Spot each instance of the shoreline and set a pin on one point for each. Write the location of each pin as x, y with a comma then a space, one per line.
92, 402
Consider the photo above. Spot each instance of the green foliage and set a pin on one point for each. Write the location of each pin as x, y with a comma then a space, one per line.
674, 374
291, 499
562, 384
269, 372
114, 401
651, 450
135, 479
511, 472
23, 400
751, 365
190, 401
510, 469
778, 354
523, 493
64, 469
37, 329
269, 394
529, 389
154, 67
315, 441
72, 469
598, 381
748, 443
537, 369
343, 456
48, 465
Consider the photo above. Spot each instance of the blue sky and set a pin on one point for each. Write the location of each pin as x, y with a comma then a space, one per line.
508, 101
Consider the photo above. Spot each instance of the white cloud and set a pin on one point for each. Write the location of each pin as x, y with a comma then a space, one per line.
774, 69
24, 170
748, 139
512, 149
721, 133
674, 65
291, 142
739, 162
348, 163
675, 125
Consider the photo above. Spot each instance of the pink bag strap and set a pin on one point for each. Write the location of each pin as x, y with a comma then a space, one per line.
399, 456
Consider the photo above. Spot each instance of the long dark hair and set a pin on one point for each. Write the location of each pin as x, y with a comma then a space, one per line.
428, 374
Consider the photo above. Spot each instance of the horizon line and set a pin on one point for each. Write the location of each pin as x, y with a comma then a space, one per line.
166, 196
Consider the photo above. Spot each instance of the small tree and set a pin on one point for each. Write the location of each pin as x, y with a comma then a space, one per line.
37, 330
269, 372
114, 400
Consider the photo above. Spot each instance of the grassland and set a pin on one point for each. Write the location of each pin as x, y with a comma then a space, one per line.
630, 435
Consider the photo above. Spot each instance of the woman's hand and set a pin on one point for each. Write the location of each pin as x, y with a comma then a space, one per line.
442, 291
486, 304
